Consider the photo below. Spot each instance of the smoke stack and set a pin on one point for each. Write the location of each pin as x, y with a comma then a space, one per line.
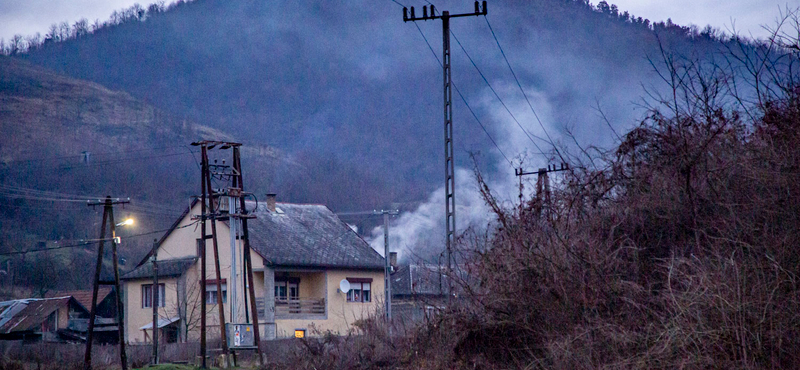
393, 260
271, 200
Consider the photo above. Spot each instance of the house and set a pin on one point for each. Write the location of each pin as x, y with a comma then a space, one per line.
300, 254
38, 319
106, 300
418, 290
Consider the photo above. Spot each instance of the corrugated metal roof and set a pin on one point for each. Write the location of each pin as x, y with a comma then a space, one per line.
166, 268
27, 314
308, 235
419, 280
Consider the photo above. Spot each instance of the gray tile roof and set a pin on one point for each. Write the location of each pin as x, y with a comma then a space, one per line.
166, 268
309, 235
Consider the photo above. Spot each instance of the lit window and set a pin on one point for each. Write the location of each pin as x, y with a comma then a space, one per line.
211, 293
359, 292
147, 295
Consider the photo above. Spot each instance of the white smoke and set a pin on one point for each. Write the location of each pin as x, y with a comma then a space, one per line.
420, 234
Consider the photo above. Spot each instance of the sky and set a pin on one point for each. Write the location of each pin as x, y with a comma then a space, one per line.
27, 17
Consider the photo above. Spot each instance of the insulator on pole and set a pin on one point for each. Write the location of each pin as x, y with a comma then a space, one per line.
433, 12
424, 11
477, 8
484, 8
405, 14
412, 13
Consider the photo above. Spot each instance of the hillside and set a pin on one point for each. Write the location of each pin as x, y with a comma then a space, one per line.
73, 140
354, 93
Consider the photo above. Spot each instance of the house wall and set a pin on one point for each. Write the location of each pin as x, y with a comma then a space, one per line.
63, 317
340, 313
136, 316
182, 242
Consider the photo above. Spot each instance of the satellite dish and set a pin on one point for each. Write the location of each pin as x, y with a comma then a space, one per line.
344, 286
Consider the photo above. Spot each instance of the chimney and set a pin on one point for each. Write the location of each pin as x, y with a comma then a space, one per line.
271, 199
393, 260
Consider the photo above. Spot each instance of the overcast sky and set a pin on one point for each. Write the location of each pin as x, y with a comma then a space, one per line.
30, 16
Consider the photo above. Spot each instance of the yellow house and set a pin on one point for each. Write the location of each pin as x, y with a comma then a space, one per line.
300, 254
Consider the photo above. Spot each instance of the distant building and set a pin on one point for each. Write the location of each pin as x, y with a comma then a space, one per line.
418, 291
46, 319
300, 254
106, 300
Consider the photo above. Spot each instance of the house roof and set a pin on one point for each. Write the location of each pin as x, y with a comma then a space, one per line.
308, 235
166, 268
27, 314
84, 297
419, 280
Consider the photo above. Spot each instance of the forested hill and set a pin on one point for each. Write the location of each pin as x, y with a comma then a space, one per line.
354, 94
65, 141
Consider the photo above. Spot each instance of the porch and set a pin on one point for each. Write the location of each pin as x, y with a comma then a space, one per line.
297, 295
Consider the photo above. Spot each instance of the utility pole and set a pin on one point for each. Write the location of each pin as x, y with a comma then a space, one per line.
233, 173
232, 221
542, 183
449, 166
387, 270
248, 265
155, 302
108, 217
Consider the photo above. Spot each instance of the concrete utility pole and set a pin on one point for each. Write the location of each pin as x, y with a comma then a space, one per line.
232, 221
108, 217
387, 269
155, 302
449, 166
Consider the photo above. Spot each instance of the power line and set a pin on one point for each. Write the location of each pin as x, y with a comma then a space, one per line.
91, 241
529, 135
520, 85
465, 100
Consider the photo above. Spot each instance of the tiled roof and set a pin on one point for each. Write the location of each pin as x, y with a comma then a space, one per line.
27, 314
308, 235
84, 297
166, 268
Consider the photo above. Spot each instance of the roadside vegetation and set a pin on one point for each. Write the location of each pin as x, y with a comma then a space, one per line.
678, 248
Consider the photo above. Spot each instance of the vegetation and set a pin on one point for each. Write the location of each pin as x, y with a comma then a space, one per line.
676, 249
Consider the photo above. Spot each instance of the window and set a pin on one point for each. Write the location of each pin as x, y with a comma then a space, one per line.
287, 289
211, 292
147, 295
360, 290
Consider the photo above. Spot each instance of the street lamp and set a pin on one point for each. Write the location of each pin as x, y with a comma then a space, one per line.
126, 222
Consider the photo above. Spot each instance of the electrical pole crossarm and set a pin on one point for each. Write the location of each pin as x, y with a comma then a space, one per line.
432, 15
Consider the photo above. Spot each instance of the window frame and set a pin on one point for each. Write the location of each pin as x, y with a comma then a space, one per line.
211, 288
357, 293
147, 295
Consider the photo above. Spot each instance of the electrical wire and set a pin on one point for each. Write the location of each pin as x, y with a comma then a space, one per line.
529, 135
92, 241
464, 99
520, 85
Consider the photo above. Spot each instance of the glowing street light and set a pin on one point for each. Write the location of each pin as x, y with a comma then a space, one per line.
126, 222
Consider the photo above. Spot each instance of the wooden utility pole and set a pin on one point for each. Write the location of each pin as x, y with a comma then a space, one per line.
223, 172
449, 165
248, 264
108, 217
155, 302
202, 247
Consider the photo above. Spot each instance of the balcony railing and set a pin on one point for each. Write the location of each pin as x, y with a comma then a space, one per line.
291, 307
